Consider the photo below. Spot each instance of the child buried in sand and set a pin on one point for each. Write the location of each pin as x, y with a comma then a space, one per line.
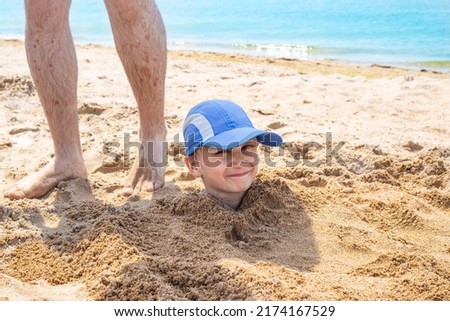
221, 148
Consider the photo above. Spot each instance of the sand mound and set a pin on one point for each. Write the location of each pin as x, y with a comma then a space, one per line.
188, 246
169, 250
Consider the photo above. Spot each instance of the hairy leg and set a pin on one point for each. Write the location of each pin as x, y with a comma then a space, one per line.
140, 40
53, 66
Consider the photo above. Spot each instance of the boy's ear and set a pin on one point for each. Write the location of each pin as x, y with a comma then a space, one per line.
193, 166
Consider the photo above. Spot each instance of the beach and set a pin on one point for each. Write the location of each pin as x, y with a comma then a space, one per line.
354, 206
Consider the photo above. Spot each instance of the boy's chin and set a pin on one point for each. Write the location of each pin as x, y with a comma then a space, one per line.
230, 190
241, 188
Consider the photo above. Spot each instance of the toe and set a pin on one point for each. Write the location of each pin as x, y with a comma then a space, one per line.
14, 194
127, 191
158, 185
147, 187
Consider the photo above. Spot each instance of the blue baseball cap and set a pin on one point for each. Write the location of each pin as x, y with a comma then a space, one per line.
222, 124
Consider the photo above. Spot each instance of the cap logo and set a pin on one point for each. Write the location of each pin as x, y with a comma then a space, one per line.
202, 124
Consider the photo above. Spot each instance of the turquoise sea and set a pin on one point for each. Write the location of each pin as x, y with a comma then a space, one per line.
413, 33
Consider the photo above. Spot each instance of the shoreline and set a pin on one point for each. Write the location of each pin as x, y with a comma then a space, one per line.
324, 66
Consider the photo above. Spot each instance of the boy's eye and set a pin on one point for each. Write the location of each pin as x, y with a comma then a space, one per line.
217, 152
250, 147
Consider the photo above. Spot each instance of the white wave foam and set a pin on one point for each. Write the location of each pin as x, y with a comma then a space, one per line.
277, 50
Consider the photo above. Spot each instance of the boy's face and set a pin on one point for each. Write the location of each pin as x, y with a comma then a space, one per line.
225, 171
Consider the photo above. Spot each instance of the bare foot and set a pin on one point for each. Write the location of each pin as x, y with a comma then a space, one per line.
149, 168
39, 183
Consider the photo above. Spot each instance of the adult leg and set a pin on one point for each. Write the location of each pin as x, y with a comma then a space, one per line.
140, 40
53, 66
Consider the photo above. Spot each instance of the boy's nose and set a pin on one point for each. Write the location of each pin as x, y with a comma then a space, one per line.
237, 157
240, 158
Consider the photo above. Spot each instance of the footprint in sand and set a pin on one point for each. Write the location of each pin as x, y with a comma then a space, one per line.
412, 146
19, 130
4, 143
276, 125
91, 109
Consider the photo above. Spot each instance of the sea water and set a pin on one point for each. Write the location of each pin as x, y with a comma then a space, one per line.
414, 33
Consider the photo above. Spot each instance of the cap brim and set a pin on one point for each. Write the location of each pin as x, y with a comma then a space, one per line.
238, 136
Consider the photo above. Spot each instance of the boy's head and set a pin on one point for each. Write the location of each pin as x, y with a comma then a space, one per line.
221, 148
223, 125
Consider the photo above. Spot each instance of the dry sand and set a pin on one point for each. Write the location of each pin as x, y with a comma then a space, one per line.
370, 223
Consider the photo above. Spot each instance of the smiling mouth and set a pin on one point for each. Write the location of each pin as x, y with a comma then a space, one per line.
238, 175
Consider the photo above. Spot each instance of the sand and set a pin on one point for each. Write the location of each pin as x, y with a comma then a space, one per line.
354, 206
